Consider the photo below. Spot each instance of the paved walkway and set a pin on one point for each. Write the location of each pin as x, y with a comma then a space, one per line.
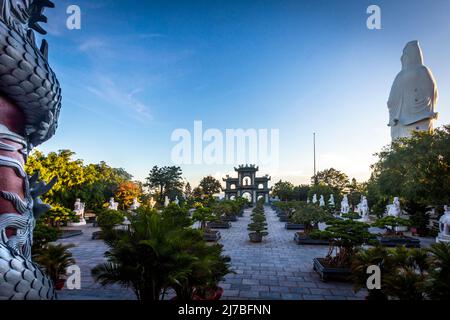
278, 268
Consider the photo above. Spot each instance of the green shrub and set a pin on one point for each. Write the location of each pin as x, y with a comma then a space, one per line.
108, 219
43, 234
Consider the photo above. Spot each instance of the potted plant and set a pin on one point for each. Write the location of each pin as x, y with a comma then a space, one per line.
219, 268
345, 238
258, 225
204, 215
284, 210
393, 237
306, 217
226, 211
55, 259
419, 224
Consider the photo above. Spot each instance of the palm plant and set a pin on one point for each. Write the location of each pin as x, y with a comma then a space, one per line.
55, 259
403, 272
438, 286
157, 253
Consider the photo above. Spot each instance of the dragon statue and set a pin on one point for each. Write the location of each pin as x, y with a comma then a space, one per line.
30, 101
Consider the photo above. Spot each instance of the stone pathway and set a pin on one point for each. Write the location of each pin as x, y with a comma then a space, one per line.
278, 268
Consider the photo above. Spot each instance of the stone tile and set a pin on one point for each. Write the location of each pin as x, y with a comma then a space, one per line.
291, 296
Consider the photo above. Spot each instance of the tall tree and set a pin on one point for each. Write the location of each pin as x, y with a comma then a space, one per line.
283, 190
335, 179
165, 181
126, 193
210, 186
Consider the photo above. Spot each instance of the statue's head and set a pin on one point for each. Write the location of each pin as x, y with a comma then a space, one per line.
412, 55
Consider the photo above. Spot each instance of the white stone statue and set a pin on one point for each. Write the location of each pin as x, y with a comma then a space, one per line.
307, 200
413, 95
166, 201
314, 199
363, 209
135, 205
322, 201
331, 201
79, 211
152, 202
345, 208
176, 201
444, 226
394, 209
113, 205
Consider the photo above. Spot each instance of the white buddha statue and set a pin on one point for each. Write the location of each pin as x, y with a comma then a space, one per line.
331, 201
176, 201
152, 202
394, 209
345, 208
113, 205
413, 95
135, 205
322, 201
314, 199
166, 201
363, 209
79, 211
444, 226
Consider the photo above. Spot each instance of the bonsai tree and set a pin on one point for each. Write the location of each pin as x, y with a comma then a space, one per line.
177, 215
346, 237
204, 215
55, 259
351, 216
309, 215
258, 225
224, 208
391, 224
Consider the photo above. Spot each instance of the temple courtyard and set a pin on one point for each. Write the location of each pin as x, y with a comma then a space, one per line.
276, 269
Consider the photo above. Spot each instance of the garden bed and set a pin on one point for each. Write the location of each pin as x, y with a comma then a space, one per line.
294, 226
70, 233
219, 225
302, 239
211, 236
229, 218
393, 241
330, 273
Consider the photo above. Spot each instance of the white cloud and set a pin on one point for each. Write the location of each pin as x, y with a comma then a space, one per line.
119, 97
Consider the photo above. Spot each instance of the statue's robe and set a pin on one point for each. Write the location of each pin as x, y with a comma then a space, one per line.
413, 95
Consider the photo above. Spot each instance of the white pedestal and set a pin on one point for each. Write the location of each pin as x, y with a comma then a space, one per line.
442, 238
77, 224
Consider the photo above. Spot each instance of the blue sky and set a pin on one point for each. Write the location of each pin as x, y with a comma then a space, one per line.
138, 70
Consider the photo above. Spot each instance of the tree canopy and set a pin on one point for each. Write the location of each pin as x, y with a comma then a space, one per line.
93, 183
416, 169
165, 181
